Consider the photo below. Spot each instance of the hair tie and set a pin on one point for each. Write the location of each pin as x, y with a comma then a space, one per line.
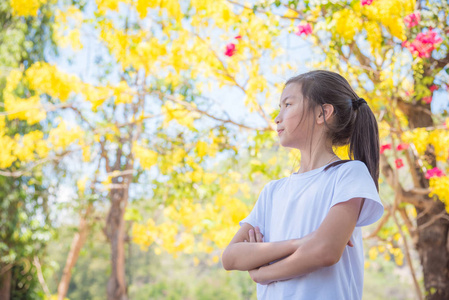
356, 103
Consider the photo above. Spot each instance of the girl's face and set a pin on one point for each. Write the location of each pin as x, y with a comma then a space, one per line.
294, 122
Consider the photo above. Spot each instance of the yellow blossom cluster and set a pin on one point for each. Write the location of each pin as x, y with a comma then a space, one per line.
387, 13
61, 137
219, 10
438, 138
33, 146
419, 137
390, 13
29, 144
45, 78
27, 109
26, 8
67, 27
8, 145
147, 157
387, 251
190, 226
347, 23
440, 187
138, 50
178, 112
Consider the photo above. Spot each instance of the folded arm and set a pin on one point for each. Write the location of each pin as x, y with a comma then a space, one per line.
244, 256
324, 248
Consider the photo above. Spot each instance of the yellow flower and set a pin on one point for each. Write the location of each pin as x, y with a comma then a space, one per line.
147, 157
347, 24
26, 8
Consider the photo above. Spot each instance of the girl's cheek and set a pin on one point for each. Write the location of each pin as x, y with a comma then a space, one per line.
291, 115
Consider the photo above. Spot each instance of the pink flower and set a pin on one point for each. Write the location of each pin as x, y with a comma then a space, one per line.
402, 146
230, 49
384, 147
366, 2
399, 163
238, 37
427, 99
412, 19
408, 93
306, 29
433, 88
424, 43
435, 172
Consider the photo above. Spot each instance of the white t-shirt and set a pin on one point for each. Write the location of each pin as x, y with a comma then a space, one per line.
295, 206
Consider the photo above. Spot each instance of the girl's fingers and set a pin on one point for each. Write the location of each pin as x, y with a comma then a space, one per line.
252, 238
350, 244
259, 235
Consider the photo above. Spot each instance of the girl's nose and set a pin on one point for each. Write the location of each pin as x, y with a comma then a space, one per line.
277, 119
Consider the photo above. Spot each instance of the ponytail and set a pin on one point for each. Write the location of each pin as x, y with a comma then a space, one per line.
364, 141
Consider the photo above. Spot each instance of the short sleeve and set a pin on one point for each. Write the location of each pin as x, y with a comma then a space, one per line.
257, 214
355, 181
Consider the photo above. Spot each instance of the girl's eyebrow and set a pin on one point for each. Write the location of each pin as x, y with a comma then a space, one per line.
285, 99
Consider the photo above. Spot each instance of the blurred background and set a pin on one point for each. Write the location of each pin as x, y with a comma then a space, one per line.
135, 135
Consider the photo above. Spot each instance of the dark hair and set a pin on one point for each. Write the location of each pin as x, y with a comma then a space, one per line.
354, 122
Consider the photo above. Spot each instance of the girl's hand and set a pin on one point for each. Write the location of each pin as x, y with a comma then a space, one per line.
255, 276
255, 236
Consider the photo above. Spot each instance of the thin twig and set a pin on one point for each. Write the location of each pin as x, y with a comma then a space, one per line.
193, 108
40, 277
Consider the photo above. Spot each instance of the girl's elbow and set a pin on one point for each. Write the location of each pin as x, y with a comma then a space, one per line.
227, 260
331, 260
330, 256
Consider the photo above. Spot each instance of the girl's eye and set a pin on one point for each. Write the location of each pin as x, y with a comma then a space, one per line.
287, 104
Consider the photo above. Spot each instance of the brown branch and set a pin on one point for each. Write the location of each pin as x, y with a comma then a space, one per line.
420, 191
432, 220
35, 164
408, 257
104, 155
5, 268
379, 225
193, 108
77, 243
259, 107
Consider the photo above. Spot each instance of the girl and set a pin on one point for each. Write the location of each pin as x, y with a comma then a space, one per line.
294, 241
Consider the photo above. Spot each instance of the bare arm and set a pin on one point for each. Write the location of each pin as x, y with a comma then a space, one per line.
324, 248
243, 256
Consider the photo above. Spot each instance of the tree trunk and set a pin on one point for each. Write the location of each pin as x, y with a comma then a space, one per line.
5, 283
115, 232
432, 241
433, 249
77, 244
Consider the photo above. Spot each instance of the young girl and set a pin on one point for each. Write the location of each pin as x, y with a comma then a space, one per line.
303, 238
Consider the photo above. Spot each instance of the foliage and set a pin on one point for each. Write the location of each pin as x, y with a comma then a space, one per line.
147, 123
24, 224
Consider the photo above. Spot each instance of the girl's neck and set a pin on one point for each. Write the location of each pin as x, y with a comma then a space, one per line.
319, 160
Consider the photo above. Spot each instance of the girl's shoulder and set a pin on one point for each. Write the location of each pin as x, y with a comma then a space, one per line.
353, 169
273, 184
354, 164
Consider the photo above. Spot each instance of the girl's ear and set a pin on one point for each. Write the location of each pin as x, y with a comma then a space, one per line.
325, 113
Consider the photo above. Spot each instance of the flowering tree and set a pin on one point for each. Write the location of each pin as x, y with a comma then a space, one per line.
24, 210
152, 124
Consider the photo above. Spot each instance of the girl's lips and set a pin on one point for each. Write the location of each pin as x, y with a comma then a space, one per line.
280, 131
